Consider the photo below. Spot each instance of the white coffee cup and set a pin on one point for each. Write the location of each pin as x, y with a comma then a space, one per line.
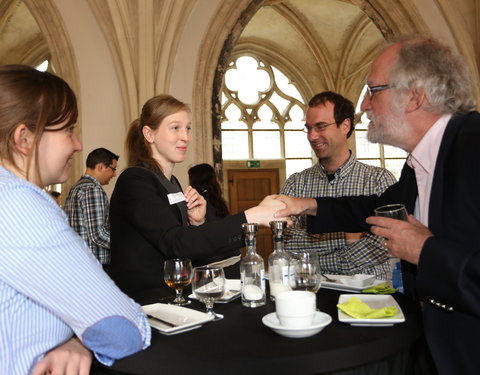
296, 308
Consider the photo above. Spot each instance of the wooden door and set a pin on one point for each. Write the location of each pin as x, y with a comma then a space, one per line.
247, 188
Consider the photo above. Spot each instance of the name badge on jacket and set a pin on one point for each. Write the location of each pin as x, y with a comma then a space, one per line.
174, 198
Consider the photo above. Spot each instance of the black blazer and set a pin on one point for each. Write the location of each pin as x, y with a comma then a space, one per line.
145, 230
447, 278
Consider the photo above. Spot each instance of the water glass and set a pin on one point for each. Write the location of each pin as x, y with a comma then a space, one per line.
304, 271
209, 286
395, 211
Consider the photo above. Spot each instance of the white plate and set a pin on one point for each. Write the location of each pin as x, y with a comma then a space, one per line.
375, 301
320, 321
232, 291
184, 319
338, 285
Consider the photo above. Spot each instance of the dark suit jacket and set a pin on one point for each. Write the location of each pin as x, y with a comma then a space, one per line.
145, 230
448, 274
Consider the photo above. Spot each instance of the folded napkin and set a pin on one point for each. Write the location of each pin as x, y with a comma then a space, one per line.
379, 289
360, 310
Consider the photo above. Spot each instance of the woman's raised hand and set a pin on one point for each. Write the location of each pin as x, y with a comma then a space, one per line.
196, 206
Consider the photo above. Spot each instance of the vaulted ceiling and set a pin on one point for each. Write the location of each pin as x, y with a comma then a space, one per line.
324, 44
21, 40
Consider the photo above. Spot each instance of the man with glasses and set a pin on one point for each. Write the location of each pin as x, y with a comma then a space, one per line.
87, 204
426, 107
329, 123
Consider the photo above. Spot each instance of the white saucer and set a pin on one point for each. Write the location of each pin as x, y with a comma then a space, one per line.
320, 321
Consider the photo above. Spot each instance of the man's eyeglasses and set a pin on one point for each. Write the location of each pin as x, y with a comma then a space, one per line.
373, 89
317, 128
112, 168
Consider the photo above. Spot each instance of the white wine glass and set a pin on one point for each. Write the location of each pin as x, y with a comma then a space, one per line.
177, 274
304, 270
208, 286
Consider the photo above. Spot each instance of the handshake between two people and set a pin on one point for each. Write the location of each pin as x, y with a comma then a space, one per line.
402, 239
280, 207
272, 207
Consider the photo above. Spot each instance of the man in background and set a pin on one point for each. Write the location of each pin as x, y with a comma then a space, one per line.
329, 123
87, 203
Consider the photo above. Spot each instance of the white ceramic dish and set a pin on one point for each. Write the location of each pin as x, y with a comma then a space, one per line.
359, 280
375, 301
184, 319
232, 291
338, 285
320, 321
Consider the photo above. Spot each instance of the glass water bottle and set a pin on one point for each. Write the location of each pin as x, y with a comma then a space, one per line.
278, 261
252, 270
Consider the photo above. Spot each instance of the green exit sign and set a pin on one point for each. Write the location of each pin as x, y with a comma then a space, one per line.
253, 163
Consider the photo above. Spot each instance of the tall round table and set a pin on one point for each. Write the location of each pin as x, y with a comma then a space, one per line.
241, 344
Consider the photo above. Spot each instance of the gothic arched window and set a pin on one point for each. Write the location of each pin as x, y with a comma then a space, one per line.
263, 115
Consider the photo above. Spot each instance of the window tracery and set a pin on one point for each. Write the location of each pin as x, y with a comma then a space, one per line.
263, 115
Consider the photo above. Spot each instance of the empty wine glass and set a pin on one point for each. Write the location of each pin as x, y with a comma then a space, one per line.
177, 274
209, 286
304, 270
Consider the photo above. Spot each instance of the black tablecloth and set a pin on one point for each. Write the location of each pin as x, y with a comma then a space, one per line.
240, 344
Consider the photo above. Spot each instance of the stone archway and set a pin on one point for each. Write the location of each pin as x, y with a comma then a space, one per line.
216, 48
50, 22
391, 19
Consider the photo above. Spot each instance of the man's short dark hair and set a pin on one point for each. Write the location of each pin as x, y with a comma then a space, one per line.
343, 108
100, 155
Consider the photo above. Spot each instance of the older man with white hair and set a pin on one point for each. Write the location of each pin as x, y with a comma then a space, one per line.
420, 98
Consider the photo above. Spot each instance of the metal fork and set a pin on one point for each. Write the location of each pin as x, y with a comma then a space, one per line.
329, 279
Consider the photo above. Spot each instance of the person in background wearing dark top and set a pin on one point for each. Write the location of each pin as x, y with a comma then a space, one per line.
420, 98
56, 196
202, 178
152, 218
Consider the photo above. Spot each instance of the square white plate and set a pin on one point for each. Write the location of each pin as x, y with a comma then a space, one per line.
185, 319
338, 285
375, 301
232, 291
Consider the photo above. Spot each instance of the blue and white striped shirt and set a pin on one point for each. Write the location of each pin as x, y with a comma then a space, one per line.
52, 287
